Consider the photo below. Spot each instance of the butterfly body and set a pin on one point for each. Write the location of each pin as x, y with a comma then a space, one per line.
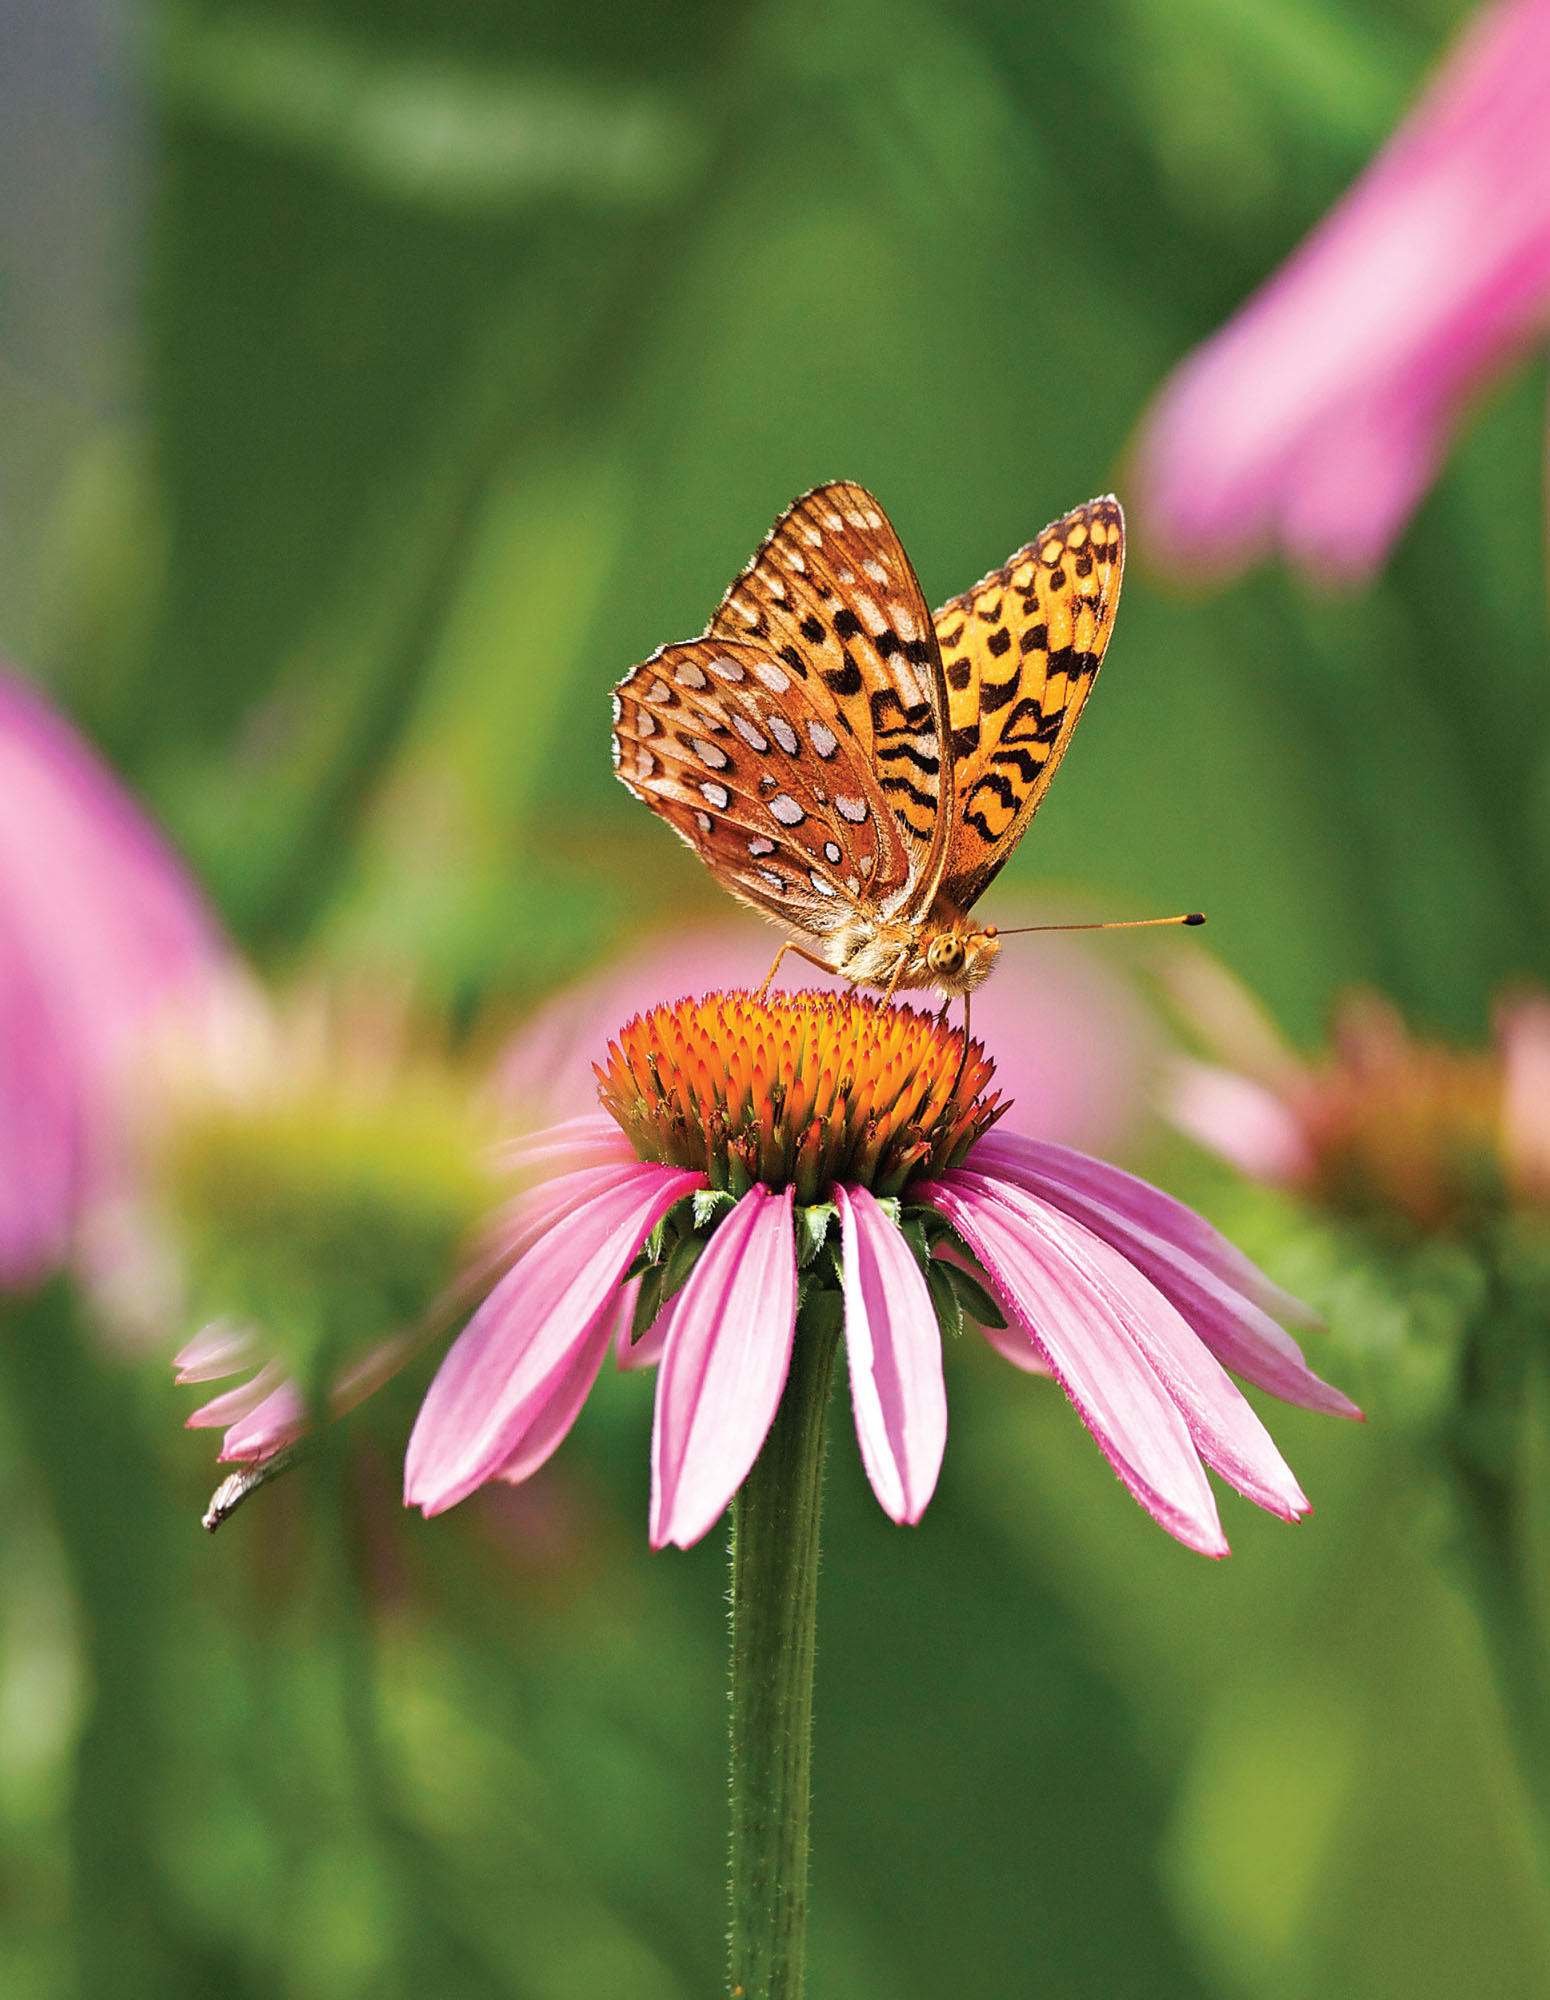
855, 767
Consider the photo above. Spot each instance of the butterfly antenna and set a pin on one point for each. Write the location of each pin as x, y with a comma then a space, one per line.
1130, 924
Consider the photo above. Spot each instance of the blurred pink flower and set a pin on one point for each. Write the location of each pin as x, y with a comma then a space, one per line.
1132, 1302
1076, 1049
1317, 417
1383, 1126
102, 933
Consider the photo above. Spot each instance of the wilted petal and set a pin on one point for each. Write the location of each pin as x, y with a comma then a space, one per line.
1225, 1430
895, 1352
1117, 1395
1236, 1328
724, 1367
515, 1356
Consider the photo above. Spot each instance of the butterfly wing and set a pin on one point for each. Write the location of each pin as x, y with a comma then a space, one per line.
727, 745
832, 596
1020, 652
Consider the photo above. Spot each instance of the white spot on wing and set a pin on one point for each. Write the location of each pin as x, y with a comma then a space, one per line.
870, 616
749, 734
718, 795
710, 753
704, 822
831, 851
904, 622
786, 810
776, 679
688, 675
852, 809
726, 670
775, 881
819, 883
875, 571
784, 735
760, 847
645, 725
824, 740
659, 691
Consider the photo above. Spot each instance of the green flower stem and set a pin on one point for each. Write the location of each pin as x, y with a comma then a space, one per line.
774, 1612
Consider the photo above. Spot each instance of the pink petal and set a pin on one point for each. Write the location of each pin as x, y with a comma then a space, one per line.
515, 1356
1319, 414
236, 1404
1523, 1028
518, 1224
221, 1348
1137, 1203
562, 1404
1225, 1430
278, 1420
1238, 1331
1116, 1394
724, 1367
593, 1140
1250, 1127
895, 1351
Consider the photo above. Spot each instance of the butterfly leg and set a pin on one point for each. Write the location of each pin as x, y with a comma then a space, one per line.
791, 945
963, 1059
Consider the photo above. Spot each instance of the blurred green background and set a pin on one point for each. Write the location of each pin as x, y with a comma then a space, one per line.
378, 381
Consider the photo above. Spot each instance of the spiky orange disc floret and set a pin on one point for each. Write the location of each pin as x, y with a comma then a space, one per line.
804, 1089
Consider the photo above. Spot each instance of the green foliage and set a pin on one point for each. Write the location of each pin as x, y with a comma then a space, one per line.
480, 346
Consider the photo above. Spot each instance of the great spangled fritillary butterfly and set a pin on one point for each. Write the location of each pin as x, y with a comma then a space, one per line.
853, 766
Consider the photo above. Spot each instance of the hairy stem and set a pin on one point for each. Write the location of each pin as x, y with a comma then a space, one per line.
774, 1609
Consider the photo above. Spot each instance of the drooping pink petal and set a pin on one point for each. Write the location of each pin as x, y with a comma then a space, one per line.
724, 1367
1138, 1203
895, 1353
235, 1404
1225, 1430
591, 1140
278, 1420
519, 1223
1319, 414
1117, 1395
1215, 1300
562, 1404
515, 1357
221, 1348
1252, 1128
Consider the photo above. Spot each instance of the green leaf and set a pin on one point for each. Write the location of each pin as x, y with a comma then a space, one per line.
976, 1299
949, 1312
680, 1261
812, 1230
710, 1204
648, 1302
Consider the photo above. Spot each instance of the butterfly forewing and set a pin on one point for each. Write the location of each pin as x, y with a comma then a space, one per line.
1020, 651
833, 598
729, 747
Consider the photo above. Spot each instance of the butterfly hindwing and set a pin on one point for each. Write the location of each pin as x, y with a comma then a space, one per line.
726, 745
1020, 652
832, 595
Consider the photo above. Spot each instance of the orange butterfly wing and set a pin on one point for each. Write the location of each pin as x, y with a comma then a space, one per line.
1020, 652
831, 593
730, 747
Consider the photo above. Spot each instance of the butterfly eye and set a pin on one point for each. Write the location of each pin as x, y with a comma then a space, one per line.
945, 954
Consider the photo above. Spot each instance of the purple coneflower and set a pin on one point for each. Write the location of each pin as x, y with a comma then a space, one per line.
101, 935
1317, 417
752, 1154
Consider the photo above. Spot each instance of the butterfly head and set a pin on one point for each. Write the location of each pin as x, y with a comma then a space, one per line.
958, 960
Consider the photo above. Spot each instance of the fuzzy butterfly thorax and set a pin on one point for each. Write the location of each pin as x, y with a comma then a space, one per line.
855, 767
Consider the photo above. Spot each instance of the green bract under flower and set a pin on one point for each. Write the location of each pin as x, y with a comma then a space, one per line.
801, 1090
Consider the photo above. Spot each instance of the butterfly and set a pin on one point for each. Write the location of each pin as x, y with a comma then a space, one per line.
854, 766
